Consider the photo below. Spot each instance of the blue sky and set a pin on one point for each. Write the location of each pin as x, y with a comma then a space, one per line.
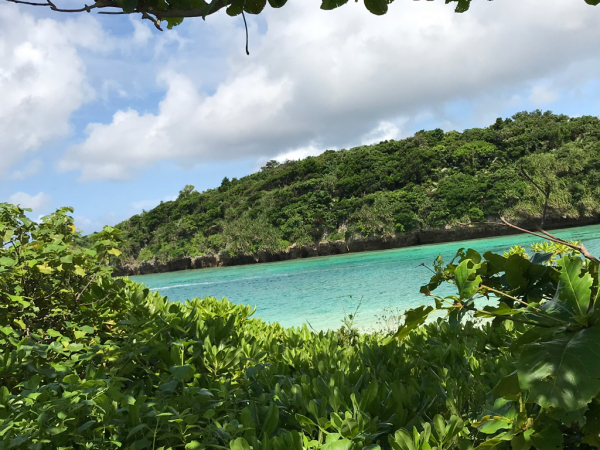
111, 116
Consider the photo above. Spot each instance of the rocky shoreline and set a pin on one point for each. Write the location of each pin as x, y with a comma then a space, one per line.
327, 248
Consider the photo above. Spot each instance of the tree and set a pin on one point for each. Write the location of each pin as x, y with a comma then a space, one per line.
174, 11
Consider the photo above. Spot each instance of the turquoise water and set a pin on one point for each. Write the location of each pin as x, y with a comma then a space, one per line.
316, 290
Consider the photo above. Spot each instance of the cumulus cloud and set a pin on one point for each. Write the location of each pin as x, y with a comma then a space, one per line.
37, 203
42, 78
344, 77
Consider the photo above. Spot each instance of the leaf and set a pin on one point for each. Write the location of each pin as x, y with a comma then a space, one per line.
79, 271
254, 6
550, 438
193, 445
170, 386
114, 251
564, 372
343, 444
239, 444
463, 272
414, 319
8, 262
182, 373
377, 7
575, 289
271, 420
45, 269
136, 429
280, 3
494, 442
508, 387
129, 5
328, 5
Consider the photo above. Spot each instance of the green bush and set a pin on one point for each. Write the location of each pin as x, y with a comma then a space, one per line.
89, 361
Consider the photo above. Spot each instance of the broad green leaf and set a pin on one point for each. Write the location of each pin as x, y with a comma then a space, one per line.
136, 429
193, 445
574, 288
563, 372
508, 387
343, 444
550, 438
182, 373
239, 444
466, 287
79, 271
277, 3
377, 7
8, 262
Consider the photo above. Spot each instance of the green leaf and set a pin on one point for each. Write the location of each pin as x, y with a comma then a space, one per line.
377, 7
193, 445
114, 251
170, 386
280, 3
508, 387
271, 420
343, 444
466, 287
254, 6
574, 288
182, 373
8, 262
414, 318
136, 429
239, 444
562, 373
332, 4
550, 438
79, 271
129, 6
494, 442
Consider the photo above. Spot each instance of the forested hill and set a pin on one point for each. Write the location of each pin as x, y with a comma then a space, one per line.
432, 179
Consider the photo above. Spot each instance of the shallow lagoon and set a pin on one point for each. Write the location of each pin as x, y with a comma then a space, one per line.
317, 290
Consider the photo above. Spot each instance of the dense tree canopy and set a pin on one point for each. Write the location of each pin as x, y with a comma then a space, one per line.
174, 11
432, 179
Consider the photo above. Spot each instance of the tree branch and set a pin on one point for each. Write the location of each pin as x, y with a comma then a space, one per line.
580, 248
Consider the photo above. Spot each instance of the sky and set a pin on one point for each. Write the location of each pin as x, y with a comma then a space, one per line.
111, 116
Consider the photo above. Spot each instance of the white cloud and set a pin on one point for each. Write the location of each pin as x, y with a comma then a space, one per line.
542, 95
344, 77
36, 202
42, 78
299, 153
30, 169
383, 132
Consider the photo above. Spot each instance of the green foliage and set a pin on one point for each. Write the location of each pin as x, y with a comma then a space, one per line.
89, 361
432, 179
551, 299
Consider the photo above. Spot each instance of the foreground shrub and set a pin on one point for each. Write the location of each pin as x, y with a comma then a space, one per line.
92, 362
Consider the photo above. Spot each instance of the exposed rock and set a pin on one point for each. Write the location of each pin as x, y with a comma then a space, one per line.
352, 245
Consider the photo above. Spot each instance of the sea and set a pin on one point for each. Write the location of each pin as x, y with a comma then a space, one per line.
375, 288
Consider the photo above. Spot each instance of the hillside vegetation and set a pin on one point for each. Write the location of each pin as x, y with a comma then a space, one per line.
432, 179
88, 361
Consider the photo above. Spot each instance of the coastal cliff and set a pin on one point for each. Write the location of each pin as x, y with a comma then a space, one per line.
328, 248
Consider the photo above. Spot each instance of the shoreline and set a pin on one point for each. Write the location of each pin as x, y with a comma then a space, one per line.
328, 248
